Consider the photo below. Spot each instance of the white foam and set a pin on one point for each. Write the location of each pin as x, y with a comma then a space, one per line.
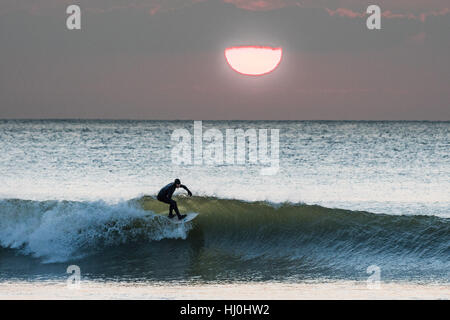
59, 231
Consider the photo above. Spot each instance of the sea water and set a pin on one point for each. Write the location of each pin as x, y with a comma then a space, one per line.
348, 197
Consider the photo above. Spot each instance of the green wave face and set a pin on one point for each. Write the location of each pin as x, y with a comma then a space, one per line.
302, 240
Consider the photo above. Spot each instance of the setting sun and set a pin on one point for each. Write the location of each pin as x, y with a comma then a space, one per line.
253, 60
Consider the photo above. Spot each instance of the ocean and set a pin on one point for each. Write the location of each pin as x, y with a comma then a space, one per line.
349, 202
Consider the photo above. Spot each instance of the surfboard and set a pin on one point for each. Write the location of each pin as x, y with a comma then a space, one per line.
189, 217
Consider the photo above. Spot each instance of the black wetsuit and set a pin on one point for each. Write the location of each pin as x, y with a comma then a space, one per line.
165, 195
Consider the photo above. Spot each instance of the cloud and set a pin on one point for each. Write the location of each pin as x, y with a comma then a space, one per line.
403, 6
214, 24
263, 5
348, 13
342, 12
443, 12
399, 9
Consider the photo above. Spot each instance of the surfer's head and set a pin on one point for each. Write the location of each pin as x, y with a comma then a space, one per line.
177, 183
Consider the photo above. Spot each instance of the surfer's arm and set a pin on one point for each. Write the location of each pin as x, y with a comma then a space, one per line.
186, 188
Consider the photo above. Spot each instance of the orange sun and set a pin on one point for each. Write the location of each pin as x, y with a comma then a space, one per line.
253, 60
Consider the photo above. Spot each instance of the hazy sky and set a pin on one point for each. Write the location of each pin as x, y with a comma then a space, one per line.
165, 60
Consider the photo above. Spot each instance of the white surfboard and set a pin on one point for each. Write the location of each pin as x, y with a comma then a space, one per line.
189, 217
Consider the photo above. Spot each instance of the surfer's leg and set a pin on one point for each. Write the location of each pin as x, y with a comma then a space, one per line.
173, 206
168, 201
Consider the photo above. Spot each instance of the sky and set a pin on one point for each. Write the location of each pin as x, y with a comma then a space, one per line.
152, 59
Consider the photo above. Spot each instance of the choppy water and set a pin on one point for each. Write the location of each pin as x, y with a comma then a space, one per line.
72, 193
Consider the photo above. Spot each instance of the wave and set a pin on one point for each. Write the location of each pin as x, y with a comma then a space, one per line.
228, 238
277, 229
60, 231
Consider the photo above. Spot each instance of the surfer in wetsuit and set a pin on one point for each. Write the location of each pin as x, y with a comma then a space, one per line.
165, 195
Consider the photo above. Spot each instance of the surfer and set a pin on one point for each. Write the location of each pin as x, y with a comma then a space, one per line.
165, 195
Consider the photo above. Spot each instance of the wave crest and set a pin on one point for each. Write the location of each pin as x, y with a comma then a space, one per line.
58, 231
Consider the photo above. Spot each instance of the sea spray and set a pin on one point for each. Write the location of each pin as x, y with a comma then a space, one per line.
67, 230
